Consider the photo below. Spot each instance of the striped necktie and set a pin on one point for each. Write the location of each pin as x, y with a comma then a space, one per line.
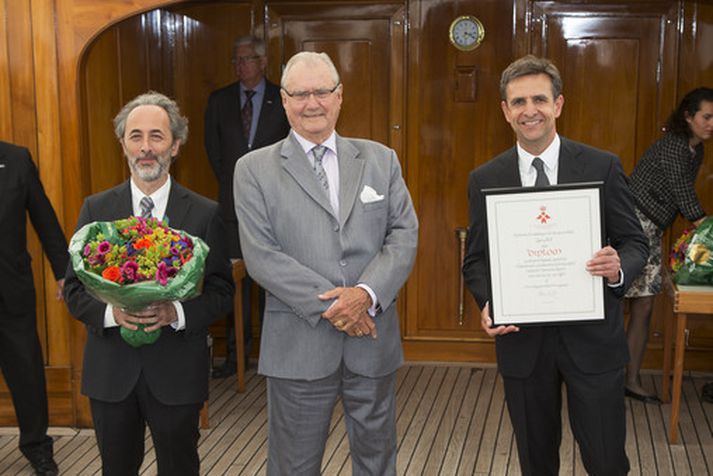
146, 205
247, 113
318, 151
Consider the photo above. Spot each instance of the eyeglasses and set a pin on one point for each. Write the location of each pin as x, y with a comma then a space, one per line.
245, 59
302, 96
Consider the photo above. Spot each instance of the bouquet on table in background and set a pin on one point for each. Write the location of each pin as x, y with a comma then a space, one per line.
691, 257
134, 262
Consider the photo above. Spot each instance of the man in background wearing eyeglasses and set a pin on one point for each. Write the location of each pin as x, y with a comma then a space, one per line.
327, 227
241, 117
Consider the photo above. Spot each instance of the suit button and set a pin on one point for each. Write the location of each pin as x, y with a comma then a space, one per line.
336, 227
342, 263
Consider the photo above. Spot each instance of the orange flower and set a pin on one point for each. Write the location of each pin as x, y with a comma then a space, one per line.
142, 243
112, 273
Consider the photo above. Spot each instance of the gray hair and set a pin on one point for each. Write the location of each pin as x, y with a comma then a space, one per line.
178, 123
257, 44
526, 66
310, 58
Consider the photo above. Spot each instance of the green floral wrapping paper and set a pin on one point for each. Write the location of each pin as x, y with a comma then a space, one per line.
185, 282
695, 256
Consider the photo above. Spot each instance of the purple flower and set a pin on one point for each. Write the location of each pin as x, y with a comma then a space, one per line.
129, 271
95, 260
87, 250
162, 273
104, 247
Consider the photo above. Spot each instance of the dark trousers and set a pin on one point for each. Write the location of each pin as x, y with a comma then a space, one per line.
597, 413
24, 371
120, 428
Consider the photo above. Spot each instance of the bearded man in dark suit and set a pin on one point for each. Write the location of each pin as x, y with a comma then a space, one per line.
163, 384
21, 193
588, 358
243, 116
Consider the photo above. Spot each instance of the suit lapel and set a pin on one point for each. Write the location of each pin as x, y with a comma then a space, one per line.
120, 206
178, 206
296, 163
269, 104
509, 172
232, 119
351, 168
569, 167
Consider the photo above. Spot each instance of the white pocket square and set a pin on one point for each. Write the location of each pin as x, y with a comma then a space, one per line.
369, 195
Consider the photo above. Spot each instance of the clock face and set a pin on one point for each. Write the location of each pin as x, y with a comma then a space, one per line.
466, 33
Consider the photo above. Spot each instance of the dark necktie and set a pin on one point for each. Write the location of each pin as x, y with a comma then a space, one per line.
319, 151
146, 205
541, 180
247, 113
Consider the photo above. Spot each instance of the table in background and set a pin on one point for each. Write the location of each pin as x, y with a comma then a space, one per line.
687, 300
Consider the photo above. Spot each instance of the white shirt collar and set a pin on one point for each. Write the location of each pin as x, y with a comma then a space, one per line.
550, 156
307, 146
159, 197
329, 162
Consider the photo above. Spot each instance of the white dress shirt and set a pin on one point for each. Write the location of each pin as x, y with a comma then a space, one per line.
550, 157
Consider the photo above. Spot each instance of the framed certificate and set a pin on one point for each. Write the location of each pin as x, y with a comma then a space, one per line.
538, 241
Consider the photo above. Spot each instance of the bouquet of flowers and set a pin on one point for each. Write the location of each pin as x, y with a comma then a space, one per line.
691, 257
134, 262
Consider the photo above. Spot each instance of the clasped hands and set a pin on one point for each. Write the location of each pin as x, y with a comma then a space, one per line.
154, 317
348, 313
605, 263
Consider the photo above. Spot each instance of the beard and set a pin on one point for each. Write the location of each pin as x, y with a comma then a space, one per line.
150, 173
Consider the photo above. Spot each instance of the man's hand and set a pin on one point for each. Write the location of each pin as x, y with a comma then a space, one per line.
153, 317
348, 313
59, 294
486, 322
605, 263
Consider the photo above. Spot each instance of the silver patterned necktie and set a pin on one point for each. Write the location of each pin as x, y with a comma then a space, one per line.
541, 180
146, 205
318, 151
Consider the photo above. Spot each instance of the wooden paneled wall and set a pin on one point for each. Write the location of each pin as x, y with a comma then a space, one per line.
66, 66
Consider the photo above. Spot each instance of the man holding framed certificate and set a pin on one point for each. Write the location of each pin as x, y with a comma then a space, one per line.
553, 244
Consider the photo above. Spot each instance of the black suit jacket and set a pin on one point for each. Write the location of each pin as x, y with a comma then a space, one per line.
226, 142
595, 347
176, 365
21, 192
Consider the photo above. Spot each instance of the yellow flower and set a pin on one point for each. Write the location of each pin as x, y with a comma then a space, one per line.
699, 253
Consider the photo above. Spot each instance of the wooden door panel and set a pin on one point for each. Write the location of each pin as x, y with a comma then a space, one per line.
614, 115
612, 66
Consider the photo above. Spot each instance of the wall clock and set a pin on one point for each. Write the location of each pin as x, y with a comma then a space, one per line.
466, 33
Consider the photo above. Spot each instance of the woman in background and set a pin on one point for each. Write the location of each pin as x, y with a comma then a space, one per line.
663, 185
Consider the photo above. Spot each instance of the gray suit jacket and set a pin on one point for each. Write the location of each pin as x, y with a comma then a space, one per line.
296, 248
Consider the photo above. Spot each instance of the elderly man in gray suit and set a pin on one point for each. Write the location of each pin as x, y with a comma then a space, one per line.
327, 227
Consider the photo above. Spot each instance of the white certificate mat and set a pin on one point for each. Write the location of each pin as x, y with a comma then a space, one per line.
538, 243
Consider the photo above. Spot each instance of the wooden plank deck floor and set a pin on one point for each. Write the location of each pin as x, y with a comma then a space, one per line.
451, 420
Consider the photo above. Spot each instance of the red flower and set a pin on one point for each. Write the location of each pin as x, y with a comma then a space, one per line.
112, 273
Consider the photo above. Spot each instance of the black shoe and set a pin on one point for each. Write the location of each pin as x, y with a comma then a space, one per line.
653, 399
225, 370
42, 463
